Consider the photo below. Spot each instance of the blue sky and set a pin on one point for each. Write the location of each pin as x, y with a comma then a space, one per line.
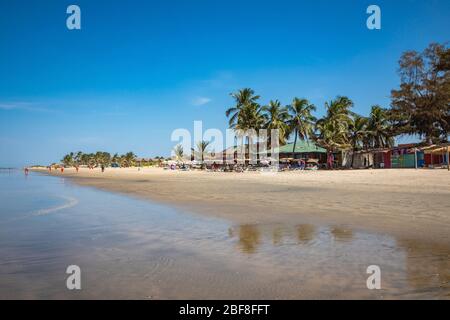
137, 70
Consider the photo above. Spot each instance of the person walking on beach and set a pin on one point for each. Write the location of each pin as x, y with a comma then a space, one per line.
77, 168
62, 169
103, 168
302, 164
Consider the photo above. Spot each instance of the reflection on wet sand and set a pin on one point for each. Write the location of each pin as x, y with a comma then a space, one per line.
277, 236
305, 233
413, 268
427, 267
250, 237
341, 234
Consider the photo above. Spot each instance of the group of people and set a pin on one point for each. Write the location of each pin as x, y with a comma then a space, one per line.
77, 168
50, 168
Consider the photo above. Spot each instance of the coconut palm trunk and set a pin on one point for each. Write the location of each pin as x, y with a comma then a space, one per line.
295, 144
353, 154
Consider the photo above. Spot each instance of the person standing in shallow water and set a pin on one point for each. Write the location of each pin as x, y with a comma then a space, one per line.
26, 171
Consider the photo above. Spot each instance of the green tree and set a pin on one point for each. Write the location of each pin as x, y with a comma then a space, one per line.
301, 121
357, 134
129, 158
276, 118
106, 159
202, 149
422, 103
379, 127
67, 160
242, 98
85, 157
78, 157
115, 158
333, 128
179, 152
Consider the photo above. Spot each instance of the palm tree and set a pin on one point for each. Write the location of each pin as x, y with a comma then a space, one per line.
179, 152
333, 128
85, 158
379, 128
129, 158
357, 133
247, 114
276, 118
242, 98
301, 121
106, 158
68, 159
115, 158
98, 156
339, 110
202, 147
78, 157
250, 117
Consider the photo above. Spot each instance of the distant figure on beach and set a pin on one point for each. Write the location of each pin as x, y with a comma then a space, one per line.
62, 169
77, 168
330, 160
49, 168
302, 164
26, 171
103, 168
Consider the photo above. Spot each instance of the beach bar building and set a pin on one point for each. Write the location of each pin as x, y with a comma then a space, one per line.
375, 158
417, 156
304, 150
405, 156
436, 156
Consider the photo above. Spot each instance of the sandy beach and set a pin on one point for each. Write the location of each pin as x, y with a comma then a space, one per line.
409, 204
203, 235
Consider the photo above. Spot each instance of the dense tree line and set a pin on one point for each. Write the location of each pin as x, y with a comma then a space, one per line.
421, 106
99, 158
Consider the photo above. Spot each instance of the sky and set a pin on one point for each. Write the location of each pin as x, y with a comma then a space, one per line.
138, 70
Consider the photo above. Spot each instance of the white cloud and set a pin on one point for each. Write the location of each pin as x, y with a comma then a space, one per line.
200, 101
9, 106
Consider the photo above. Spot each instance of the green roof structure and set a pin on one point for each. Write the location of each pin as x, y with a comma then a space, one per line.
302, 147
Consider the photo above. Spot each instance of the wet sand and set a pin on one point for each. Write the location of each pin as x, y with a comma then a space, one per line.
412, 204
136, 249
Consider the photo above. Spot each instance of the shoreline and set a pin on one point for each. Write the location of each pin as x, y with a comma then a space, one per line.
407, 204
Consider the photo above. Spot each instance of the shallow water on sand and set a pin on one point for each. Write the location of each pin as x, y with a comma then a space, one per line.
128, 248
